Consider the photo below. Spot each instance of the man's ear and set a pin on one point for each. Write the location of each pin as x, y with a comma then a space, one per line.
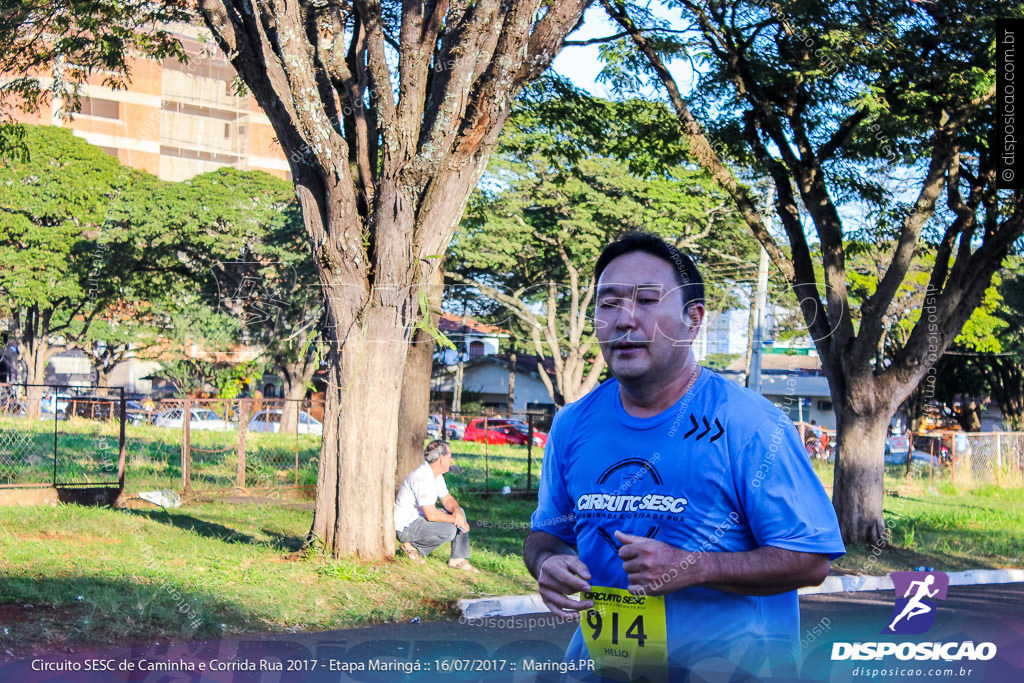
693, 314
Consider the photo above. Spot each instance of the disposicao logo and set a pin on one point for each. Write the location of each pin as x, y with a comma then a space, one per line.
914, 613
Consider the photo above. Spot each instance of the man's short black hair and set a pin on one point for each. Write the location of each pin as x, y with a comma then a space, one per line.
687, 275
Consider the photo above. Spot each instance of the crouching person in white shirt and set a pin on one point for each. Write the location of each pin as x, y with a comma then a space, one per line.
421, 527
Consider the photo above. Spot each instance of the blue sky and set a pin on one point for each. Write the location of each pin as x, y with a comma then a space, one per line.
582, 64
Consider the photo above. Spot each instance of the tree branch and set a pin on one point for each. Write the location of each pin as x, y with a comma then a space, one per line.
699, 145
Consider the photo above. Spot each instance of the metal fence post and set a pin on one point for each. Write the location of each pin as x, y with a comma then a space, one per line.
243, 423
54, 428
487, 467
298, 417
529, 451
999, 458
120, 447
186, 447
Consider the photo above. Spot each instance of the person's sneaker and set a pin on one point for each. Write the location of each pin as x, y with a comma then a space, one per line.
463, 564
412, 553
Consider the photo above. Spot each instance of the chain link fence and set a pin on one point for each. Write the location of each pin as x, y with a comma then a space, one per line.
987, 458
77, 437
44, 443
493, 453
230, 444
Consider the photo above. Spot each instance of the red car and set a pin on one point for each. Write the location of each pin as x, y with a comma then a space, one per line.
503, 431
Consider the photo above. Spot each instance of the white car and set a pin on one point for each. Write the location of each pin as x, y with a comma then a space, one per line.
454, 430
270, 421
55, 403
201, 419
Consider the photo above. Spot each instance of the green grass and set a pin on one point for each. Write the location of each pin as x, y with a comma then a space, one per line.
206, 570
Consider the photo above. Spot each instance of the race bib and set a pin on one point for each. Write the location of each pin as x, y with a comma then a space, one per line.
626, 634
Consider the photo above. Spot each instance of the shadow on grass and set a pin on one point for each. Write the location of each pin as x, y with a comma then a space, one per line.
49, 614
219, 531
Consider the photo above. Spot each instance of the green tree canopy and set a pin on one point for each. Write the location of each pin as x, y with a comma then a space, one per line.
872, 119
560, 187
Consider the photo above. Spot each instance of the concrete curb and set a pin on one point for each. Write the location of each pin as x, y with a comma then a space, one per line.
514, 605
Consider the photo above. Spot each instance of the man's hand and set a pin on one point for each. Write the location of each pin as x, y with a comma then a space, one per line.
461, 523
654, 567
560, 576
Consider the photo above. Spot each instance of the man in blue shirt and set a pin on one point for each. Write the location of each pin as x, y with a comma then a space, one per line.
681, 506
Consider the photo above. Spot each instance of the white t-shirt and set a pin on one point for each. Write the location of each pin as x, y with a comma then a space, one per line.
420, 488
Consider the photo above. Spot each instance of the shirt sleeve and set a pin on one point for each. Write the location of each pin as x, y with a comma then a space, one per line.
782, 497
554, 513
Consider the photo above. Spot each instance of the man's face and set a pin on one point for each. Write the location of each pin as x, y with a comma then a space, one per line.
446, 462
644, 334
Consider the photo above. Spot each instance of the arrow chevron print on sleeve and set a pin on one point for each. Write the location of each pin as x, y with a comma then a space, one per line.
707, 428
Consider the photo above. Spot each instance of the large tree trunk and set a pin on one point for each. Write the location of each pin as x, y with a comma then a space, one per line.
415, 405
36, 351
355, 490
294, 391
859, 482
1007, 386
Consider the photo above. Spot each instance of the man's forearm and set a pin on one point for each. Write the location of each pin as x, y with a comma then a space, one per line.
539, 546
765, 571
432, 514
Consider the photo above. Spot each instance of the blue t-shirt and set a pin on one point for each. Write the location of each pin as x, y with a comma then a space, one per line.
723, 470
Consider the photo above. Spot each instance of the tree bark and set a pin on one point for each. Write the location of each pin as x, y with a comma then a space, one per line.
512, 359
967, 417
356, 481
859, 488
415, 405
35, 350
1007, 386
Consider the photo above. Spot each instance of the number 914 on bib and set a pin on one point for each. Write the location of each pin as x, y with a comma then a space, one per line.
626, 634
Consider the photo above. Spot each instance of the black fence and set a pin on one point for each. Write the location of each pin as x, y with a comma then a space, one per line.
70, 437
37, 447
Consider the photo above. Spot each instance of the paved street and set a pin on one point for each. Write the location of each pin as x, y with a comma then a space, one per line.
436, 651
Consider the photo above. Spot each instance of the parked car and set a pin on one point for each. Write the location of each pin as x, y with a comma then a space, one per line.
522, 432
201, 419
270, 421
55, 403
934, 444
927, 459
503, 431
136, 413
454, 430
897, 448
475, 431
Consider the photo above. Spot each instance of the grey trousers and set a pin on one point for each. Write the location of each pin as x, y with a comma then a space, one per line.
427, 537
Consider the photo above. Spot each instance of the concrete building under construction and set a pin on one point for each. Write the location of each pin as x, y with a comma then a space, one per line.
175, 120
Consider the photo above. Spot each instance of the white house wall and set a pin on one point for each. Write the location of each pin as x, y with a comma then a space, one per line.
490, 378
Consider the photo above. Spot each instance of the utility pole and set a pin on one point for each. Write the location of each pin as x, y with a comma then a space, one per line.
760, 303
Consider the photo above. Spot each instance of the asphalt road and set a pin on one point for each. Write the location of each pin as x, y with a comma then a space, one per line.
503, 648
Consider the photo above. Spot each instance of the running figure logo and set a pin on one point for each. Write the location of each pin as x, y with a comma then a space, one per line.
914, 612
